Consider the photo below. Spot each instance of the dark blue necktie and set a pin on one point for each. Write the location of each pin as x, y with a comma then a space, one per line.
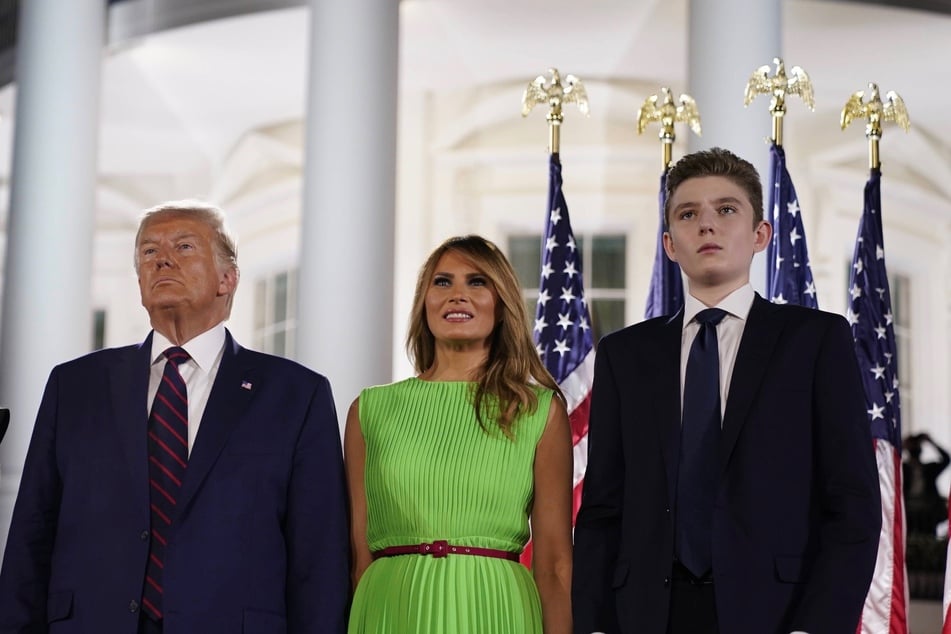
168, 456
700, 434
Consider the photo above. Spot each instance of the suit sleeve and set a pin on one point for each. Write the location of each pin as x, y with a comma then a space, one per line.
848, 489
318, 583
25, 576
598, 524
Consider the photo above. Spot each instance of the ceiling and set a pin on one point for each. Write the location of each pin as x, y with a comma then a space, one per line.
176, 104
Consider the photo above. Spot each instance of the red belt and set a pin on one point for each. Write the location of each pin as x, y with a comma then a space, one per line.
441, 548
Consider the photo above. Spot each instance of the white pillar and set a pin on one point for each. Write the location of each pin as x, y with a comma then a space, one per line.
728, 40
347, 226
46, 299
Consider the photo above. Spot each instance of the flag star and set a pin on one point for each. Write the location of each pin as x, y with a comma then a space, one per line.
878, 371
779, 262
889, 396
895, 383
810, 288
793, 236
888, 357
779, 299
888, 319
793, 207
852, 317
570, 269
858, 266
550, 243
876, 411
565, 321
540, 324
881, 293
879, 252
571, 243
539, 350
566, 294
555, 215
855, 292
561, 347
880, 331
543, 297
583, 323
547, 270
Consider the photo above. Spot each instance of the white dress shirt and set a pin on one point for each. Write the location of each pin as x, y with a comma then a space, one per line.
729, 332
199, 372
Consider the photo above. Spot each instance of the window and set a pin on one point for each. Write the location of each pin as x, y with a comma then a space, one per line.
603, 264
98, 329
275, 313
899, 287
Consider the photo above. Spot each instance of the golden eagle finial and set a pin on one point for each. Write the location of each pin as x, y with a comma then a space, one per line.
556, 94
667, 113
778, 86
876, 112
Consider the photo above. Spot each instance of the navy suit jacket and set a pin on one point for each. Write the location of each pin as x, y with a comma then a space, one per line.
260, 539
798, 511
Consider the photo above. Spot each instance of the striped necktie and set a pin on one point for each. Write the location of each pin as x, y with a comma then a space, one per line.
168, 457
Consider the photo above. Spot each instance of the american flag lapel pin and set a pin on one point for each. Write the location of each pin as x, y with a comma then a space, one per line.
246, 385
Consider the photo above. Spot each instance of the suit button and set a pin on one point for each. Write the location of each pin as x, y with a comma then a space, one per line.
133, 606
144, 536
666, 582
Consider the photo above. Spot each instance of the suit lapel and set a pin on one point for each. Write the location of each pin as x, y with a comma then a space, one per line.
762, 331
667, 398
129, 386
227, 402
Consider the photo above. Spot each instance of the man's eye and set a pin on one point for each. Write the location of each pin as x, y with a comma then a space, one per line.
727, 210
687, 215
185, 246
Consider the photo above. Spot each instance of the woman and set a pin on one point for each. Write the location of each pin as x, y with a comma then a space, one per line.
444, 469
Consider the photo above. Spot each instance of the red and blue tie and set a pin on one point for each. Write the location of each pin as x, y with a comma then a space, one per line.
168, 457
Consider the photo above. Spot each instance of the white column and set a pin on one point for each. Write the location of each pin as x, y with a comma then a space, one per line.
345, 316
46, 298
728, 39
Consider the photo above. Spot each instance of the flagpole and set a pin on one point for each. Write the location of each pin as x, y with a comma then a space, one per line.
876, 112
562, 328
870, 315
778, 86
667, 113
555, 94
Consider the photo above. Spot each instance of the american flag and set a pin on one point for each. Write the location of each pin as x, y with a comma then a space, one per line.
666, 294
870, 313
788, 275
562, 329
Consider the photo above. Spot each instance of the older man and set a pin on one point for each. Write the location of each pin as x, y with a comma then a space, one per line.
185, 484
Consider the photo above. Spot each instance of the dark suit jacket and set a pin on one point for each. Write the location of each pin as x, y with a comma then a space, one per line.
797, 515
260, 540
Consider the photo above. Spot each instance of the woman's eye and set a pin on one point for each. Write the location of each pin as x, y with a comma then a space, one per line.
441, 281
477, 281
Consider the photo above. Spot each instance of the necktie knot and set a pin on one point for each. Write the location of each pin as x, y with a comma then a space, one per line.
709, 316
176, 356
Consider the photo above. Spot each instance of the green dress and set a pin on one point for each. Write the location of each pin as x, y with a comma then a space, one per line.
432, 473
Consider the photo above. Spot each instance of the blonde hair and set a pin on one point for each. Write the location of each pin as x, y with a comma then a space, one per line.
504, 388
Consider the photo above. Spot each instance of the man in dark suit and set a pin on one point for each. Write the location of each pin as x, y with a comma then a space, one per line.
223, 510
769, 523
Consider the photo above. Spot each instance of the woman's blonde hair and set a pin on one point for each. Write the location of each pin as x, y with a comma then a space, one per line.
504, 387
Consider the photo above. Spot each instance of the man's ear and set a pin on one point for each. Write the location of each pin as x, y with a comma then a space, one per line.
763, 234
669, 246
228, 281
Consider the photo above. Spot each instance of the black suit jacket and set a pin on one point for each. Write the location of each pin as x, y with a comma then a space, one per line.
798, 511
260, 540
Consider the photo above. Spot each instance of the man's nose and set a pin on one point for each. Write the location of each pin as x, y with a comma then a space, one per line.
707, 219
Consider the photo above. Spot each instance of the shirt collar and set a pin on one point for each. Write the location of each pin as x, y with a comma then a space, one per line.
737, 304
203, 349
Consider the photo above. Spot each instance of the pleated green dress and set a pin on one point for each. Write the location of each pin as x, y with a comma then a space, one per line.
433, 473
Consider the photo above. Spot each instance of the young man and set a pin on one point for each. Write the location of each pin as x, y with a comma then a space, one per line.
184, 484
735, 497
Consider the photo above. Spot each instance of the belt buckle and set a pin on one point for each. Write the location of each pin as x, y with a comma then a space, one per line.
439, 548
